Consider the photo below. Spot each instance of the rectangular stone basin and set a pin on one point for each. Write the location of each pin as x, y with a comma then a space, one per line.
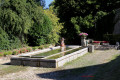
60, 60
45, 54
28, 60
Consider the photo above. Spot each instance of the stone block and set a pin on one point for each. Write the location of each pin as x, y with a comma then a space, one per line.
60, 63
31, 63
48, 64
16, 62
91, 48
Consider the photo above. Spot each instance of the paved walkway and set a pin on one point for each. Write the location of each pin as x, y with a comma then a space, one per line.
83, 68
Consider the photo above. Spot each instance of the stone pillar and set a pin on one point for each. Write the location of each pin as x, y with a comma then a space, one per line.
91, 48
83, 41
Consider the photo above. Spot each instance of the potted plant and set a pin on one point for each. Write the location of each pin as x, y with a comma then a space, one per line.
83, 35
83, 39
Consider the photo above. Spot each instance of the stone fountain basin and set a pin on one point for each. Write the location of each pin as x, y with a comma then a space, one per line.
26, 60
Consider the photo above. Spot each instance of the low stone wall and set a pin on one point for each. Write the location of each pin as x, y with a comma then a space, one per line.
62, 60
43, 62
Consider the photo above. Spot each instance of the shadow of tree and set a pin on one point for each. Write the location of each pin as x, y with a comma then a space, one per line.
8, 63
106, 71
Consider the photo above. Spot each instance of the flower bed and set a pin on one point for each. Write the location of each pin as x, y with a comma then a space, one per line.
22, 50
105, 41
4, 53
1, 54
102, 42
96, 42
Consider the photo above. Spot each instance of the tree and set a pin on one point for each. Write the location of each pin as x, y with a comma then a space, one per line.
117, 17
82, 15
15, 17
4, 40
40, 2
56, 26
24, 21
41, 28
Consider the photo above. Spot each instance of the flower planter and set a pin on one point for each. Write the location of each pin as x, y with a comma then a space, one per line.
83, 39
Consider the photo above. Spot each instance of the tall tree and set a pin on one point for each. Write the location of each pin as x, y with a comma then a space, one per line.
41, 2
82, 15
15, 17
55, 33
25, 21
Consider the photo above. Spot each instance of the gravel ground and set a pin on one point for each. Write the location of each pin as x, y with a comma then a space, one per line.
82, 68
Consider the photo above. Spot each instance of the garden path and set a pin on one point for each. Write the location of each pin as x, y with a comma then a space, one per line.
83, 68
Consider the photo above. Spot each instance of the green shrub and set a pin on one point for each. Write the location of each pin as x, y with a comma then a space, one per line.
14, 52
40, 47
1, 53
23, 50
40, 31
8, 42
4, 40
34, 48
7, 53
15, 42
46, 46
18, 51
29, 49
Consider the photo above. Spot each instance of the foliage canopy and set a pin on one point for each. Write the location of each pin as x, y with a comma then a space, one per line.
85, 16
25, 22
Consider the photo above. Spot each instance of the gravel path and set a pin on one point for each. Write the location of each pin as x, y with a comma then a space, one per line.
83, 68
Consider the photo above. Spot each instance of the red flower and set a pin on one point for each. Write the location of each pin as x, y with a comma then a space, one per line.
105, 42
96, 41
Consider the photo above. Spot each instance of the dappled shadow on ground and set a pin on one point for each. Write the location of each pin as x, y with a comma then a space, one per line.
70, 74
97, 72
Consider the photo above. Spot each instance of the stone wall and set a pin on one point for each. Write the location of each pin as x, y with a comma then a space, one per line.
62, 60
43, 62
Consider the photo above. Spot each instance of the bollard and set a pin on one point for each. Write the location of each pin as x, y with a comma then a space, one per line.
91, 48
